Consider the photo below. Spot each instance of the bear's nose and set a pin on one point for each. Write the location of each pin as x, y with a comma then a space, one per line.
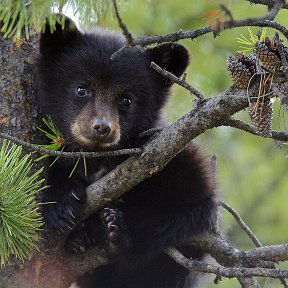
102, 127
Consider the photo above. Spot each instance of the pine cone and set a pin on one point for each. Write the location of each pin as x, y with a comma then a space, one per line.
268, 55
261, 113
242, 68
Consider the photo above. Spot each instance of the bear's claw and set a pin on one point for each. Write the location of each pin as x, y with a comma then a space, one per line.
117, 237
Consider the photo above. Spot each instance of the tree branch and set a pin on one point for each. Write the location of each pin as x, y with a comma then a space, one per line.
275, 253
199, 266
37, 148
239, 124
211, 113
193, 34
268, 3
247, 231
126, 33
241, 223
278, 4
177, 80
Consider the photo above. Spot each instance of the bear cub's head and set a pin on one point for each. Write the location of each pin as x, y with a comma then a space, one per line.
98, 103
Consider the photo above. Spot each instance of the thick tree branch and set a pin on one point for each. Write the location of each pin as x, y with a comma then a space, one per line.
172, 140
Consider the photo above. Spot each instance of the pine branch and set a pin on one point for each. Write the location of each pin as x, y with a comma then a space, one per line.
20, 219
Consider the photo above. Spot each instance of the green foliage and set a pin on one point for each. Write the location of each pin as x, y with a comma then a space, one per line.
90, 11
57, 143
248, 43
57, 140
20, 16
20, 219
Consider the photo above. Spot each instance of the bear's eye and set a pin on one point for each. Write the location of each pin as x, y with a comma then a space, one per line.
125, 101
82, 91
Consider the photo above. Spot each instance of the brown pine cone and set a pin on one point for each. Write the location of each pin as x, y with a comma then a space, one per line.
268, 55
242, 68
261, 113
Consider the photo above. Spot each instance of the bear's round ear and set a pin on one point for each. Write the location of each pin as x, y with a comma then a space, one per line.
172, 57
53, 40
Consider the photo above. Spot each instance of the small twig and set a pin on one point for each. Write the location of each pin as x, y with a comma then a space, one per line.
227, 11
150, 132
283, 282
184, 76
36, 148
257, 22
242, 224
177, 80
119, 52
239, 124
39, 149
125, 31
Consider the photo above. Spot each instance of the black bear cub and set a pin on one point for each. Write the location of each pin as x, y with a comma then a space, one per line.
101, 104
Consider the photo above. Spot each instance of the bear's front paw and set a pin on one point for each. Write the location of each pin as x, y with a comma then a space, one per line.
117, 236
63, 213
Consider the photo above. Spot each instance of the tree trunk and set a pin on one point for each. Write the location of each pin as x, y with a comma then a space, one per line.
19, 113
19, 117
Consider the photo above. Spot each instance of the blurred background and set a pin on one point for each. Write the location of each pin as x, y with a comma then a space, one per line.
252, 170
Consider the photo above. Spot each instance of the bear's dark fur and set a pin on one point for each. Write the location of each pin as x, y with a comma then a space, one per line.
102, 104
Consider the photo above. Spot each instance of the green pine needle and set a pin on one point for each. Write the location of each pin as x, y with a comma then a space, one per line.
20, 218
74, 168
56, 144
247, 44
57, 139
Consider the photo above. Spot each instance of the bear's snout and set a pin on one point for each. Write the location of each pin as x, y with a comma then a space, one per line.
102, 127
95, 132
